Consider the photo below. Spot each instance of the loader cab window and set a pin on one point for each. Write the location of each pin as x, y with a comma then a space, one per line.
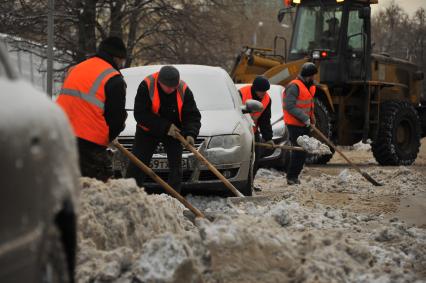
355, 31
317, 27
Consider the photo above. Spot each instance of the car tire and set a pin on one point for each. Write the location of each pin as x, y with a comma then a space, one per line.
284, 159
398, 137
323, 119
54, 266
247, 188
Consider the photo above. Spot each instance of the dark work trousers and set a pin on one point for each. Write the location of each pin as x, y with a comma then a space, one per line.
144, 147
297, 158
95, 161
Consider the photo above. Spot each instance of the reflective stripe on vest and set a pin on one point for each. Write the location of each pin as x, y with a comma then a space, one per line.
305, 102
91, 96
151, 82
82, 98
246, 95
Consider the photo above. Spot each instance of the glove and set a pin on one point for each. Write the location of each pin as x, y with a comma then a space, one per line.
190, 140
173, 131
308, 123
313, 120
270, 142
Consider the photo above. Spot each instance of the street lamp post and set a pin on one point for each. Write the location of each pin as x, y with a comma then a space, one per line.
259, 24
50, 42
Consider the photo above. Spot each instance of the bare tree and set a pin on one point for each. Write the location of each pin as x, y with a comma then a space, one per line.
398, 35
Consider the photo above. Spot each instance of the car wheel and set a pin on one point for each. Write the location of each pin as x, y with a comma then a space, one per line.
324, 125
54, 267
284, 158
247, 188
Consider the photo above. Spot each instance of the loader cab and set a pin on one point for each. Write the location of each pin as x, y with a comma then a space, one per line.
337, 34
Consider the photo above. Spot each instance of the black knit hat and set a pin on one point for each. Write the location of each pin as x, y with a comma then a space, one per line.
308, 69
261, 83
169, 76
114, 46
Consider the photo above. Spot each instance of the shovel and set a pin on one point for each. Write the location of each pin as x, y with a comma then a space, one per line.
148, 171
209, 165
364, 174
283, 146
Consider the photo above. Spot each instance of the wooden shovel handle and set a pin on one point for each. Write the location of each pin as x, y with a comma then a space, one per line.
209, 165
364, 174
283, 146
148, 171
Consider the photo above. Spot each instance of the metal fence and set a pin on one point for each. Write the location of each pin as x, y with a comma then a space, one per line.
31, 63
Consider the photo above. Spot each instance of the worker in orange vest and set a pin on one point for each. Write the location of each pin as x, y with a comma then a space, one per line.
262, 120
299, 115
164, 106
93, 97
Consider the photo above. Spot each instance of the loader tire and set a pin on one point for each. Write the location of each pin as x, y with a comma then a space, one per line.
323, 123
398, 137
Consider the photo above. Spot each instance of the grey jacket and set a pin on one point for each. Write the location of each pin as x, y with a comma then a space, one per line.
292, 93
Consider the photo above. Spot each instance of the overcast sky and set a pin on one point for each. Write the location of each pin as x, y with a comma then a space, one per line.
410, 6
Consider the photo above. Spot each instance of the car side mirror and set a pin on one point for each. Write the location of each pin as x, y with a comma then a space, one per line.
364, 13
252, 106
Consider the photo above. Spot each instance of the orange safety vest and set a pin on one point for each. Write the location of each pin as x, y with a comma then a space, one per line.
82, 98
305, 102
151, 81
246, 95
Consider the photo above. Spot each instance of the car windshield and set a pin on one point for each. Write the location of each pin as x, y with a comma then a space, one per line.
209, 88
317, 27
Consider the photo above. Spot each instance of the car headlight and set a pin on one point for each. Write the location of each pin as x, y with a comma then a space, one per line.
226, 142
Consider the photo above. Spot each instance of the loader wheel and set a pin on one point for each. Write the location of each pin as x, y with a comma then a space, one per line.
398, 137
323, 123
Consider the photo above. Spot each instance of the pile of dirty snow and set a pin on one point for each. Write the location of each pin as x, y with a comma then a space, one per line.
126, 235
117, 221
360, 146
313, 146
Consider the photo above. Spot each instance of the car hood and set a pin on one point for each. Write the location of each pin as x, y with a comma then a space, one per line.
218, 122
213, 122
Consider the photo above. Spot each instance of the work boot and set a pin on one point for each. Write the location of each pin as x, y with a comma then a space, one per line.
294, 181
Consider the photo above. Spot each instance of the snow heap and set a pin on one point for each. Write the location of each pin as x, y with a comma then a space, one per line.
312, 145
126, 235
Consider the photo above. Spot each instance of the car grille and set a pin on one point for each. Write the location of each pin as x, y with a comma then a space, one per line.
127, 142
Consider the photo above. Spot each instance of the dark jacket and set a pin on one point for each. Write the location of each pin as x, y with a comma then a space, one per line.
264, 121
115, 100
114, 108
168, 112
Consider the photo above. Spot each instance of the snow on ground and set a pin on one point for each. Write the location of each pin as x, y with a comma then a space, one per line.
331, 228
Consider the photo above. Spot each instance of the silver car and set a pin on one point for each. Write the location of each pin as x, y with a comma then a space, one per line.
225, 139
277, 158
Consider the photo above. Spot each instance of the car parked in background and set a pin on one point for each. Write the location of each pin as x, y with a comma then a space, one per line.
39, 182
225, 139
276, 158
